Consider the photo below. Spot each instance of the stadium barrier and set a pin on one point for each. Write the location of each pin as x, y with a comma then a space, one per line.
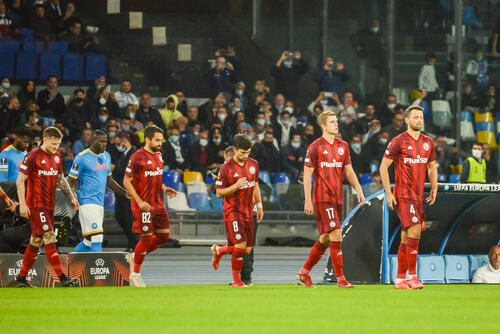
463, 221
91, 269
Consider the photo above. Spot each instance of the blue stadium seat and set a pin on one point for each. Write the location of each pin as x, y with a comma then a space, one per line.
95, 66
57, 48
199, 201
217, 203
171, 179
72, 67
454, 178
476, 261
209, 179
26, 67
265, 177
49, 65
7, 65
456, 269
39, 47
28, 34
109, 200
28, 47
8, 46
442, 178
366, 178
281, 178
430, 269
179, 187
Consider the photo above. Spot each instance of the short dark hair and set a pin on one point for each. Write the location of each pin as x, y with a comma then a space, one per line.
124, 135
125, 80
52, 76
52, 132
242, 142
78, 90
228, 150
99, 132
150, 130
22, 131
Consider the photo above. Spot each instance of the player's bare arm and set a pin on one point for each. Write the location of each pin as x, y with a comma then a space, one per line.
71, 181
66, 189
432, 172
11, 205
353, 181
384, 175
308, 205
113, 185
168, 191
127, 183
225, 192
258, 201
21, 194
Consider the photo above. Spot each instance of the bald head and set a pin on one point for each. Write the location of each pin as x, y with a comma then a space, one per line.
494, 256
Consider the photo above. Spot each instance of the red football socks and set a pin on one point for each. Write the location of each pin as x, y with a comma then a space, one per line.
53, 257
337, 260
225, 250
315, 255
140, 252
402, 262
411, 255
237, 263
158, 240
30, 256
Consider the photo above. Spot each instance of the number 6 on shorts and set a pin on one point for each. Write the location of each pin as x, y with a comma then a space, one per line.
42, 218
146, 217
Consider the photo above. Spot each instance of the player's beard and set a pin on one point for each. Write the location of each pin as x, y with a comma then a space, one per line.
416, 127
155, 148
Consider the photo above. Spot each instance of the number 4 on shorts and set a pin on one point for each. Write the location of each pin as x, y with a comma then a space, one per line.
412, 209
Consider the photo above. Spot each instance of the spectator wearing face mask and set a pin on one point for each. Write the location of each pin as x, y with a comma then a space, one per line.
292, 157
474, 167
174, 155
376, 145
101, 119
284, 130
222, 78
331, 77
266, 153
198, 154
287, 72
386, 111
77, 116
239, 92
359, 158
259, 123
215, 149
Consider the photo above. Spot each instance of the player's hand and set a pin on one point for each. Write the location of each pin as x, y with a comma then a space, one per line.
9, 203
391, 201
241, 182
308, 208
340, 66
75, 203
169, 191
361, 198
432, 197
260, 215
144, 206
24, 211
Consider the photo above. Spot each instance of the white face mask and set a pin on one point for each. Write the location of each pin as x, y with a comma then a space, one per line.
295, 145
383, 141
356, 148
374, 29
203, 142
102, 100
477, 154
222, 117
391, 105
261, 122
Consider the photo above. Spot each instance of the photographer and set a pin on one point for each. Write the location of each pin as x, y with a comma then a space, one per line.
222, 78
287, 72
331, 77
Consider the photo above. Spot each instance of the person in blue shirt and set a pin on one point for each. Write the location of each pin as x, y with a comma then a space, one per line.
12, 157
92, 167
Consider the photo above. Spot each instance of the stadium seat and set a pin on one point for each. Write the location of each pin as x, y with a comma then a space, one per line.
454, 178
366, 178
95, 66
281, 178
171, 179
28, 47
28, 34
178, 203
209, 179
8, 46
265, 177
57, 48
281, 188
72, 67
456, 269
199, 201
476, 261
217, 203
192, 177
485, 129
39, 47
26, 67
49, 65
442, 178
179, 187
7, 65
467, 127
441, 114
430, 269
109, 200
196, 187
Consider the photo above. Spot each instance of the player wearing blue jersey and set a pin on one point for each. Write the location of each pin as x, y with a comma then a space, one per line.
92, 167
12, 157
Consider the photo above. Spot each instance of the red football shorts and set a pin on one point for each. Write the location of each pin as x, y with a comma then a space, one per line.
410, 212
149, 222
240, 230
41, 221
328, 216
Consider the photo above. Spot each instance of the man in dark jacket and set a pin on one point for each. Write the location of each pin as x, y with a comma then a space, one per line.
287, 72
222, 78
174, 154
331, 78
198, 155
50, 101
146, 113
267, 154
292, 156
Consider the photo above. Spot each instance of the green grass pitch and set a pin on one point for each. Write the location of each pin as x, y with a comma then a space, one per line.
258, 309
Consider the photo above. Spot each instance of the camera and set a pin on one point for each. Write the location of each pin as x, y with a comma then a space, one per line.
289, 54
328, 94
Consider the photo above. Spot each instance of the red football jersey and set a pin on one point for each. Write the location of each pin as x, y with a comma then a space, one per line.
410, 158
328, 161
238, 205
146, 171
42, 170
